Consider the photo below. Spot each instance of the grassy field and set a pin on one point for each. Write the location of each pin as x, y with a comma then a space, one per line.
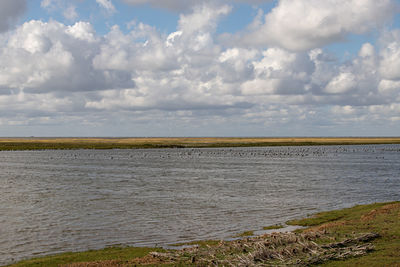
365, 235
129, 143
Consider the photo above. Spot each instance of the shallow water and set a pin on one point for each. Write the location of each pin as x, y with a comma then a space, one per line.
57, 201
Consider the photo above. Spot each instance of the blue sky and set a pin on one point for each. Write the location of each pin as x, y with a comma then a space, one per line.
199, 68
165, 20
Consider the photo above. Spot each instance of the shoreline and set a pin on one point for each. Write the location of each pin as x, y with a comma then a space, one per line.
364, 235
24, 144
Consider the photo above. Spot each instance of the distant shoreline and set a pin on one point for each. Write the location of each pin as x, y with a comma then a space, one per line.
57, 143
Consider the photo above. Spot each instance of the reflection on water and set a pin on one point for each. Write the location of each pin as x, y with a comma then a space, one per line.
56, 201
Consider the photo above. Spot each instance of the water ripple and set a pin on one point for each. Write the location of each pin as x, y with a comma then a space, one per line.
58, 201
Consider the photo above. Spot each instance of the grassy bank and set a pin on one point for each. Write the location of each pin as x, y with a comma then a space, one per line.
129, 143
365, 235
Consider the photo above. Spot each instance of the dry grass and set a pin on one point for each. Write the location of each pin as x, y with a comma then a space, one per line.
211, 140
365, 235
108, 143
278, 249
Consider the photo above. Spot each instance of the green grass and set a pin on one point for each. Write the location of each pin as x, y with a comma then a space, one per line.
338, 225
200, 243
273, 227
381, 218
387, 247
333, 226
329, 216
122, 254
245, 234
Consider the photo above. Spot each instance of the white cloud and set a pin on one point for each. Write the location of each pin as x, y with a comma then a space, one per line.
280, 72
70, 13
203, 18
51, 57
69, 9
367, 51
46, 3
305, 24
342, 83
390, 89
82, 31
50, 70
390, 63
169, 4
352, 83
107, 4
9, 12
343, 110
184, 5
51, 4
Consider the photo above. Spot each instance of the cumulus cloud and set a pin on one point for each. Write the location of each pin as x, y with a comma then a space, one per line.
354, 82
9, 12
203, 18
280, 72
50, 70
342, 83
178, 71
51, 57
305, 24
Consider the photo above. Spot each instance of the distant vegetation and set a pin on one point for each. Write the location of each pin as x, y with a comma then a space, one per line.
130, 143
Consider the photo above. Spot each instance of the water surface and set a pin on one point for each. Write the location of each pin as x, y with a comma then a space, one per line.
57, 201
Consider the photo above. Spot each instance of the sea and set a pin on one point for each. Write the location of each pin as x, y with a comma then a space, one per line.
55, 201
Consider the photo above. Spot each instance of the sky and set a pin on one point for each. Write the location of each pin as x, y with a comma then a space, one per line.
118, 68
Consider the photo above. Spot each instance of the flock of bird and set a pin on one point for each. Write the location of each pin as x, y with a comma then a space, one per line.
250, 153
